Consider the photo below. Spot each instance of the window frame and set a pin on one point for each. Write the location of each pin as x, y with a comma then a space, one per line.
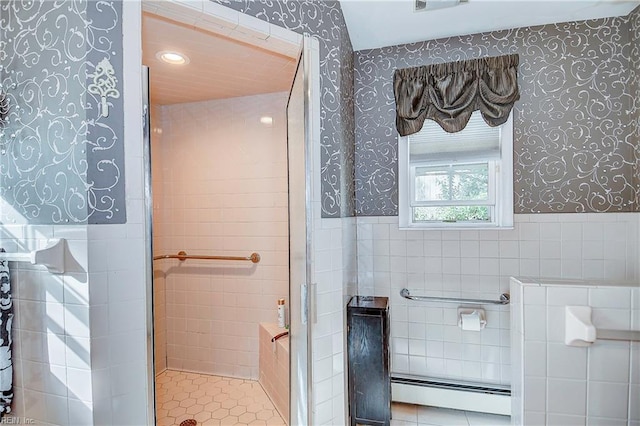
500, 187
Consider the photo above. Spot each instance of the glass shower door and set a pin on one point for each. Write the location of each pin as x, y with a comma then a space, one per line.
299, 143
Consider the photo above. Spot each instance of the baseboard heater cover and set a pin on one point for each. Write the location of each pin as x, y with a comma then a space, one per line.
447, 394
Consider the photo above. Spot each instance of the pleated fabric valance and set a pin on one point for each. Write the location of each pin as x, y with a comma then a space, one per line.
449, 93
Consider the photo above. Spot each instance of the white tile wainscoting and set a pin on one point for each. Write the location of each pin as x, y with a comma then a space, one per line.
425, 338
555, 384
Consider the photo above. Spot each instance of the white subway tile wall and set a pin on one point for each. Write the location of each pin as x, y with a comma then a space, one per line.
220, 188
557, 384
425, 337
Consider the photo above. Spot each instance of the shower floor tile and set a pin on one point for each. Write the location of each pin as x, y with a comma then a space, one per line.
211, 400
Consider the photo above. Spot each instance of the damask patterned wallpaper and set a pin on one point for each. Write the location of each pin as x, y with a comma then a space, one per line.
634, 18
61, 161
324, 20
574, 145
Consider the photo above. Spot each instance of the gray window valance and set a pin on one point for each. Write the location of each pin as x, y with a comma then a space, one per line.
449, 93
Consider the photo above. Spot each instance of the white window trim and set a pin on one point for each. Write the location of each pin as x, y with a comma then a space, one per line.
502, 215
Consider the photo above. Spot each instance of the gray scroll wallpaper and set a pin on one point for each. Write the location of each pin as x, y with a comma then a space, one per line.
324, 20
635, 110
61, 159
573, 134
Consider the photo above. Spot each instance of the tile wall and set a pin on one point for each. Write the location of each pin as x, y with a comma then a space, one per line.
118, 320
51, 332
478, 264
331, 264
275, 367
562, 385
335, 277
221, 189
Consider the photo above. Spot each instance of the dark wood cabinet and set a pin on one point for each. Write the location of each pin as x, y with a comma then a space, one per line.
368, 360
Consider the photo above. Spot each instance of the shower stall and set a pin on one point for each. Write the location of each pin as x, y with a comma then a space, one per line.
228, 174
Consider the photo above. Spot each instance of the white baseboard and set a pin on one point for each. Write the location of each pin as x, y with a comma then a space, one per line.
451, 398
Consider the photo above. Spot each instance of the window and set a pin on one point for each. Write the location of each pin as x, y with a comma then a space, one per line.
457, 180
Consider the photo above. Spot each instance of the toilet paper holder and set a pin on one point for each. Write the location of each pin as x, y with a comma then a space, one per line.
472, 319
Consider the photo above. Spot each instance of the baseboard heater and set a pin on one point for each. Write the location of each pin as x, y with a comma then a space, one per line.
448, 394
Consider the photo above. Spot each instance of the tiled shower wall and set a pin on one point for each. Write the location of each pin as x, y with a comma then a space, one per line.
221, 190
426, 340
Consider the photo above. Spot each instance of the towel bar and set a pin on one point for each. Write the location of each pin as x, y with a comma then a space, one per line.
579, 331
52, 256
619, 335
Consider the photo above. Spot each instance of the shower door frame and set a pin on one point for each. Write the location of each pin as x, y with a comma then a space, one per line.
179, 12
300, 167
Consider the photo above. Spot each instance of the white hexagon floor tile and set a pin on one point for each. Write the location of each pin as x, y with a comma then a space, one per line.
212, 400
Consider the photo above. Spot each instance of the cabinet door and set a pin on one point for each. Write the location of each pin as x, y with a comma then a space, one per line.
368, 376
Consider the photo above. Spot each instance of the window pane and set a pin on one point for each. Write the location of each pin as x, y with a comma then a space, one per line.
452, 182
452, 214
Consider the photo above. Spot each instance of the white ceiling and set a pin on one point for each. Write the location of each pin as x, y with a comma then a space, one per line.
379, 23
219, 67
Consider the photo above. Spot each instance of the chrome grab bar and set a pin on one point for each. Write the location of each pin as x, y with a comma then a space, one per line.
504, 299
182, 256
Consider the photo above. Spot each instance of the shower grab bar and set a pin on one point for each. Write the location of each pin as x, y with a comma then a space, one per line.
504, 299
182, 256
52, 256
279, 336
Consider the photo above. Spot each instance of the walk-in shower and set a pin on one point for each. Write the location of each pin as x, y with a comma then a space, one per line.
221, 123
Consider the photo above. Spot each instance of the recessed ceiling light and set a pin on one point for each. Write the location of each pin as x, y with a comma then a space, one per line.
266, 120
174, 58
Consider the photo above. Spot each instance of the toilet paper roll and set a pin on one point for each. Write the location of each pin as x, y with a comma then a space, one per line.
470, 321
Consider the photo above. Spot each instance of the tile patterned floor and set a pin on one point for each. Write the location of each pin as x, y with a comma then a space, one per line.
216, 400
212, 400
